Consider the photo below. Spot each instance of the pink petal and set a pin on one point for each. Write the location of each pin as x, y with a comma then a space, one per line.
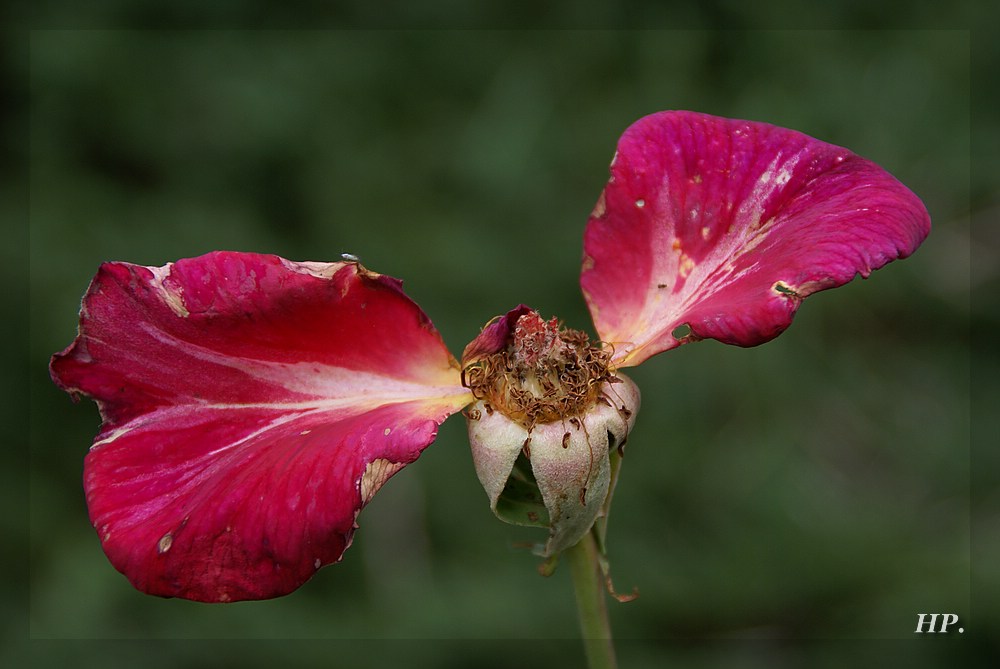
726, 225
495, 335
252, 406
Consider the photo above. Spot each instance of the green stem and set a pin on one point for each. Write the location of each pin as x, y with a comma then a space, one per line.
588, 583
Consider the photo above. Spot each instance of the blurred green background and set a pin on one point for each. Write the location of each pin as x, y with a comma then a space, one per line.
815, 488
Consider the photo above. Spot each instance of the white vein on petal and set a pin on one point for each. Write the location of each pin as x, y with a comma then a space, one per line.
344, 407
309, 378
716, 270
324, 388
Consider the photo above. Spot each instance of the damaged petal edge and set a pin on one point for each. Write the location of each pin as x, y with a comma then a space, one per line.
376, 473
783, 288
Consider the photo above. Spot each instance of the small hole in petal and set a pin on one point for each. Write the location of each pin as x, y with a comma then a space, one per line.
681, 331
782, 288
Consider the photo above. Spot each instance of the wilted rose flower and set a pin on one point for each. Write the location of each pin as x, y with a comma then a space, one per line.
549, 410
252, 405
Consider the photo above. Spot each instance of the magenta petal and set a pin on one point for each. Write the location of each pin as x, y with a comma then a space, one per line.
726, 225
252, 406
495, 335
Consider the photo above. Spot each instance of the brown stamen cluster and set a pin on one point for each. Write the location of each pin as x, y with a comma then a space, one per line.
545, 374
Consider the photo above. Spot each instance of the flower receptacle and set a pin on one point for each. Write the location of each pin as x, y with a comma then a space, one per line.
556, 475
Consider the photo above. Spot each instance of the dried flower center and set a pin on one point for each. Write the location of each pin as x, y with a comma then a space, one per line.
547, 373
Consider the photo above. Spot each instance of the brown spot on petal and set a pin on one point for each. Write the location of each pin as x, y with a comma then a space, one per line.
377, 472
686, 265
784, 289
599, 208
171, 294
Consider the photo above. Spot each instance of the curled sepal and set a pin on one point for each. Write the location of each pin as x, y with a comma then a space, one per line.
726, 225
251, 407
556, 474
